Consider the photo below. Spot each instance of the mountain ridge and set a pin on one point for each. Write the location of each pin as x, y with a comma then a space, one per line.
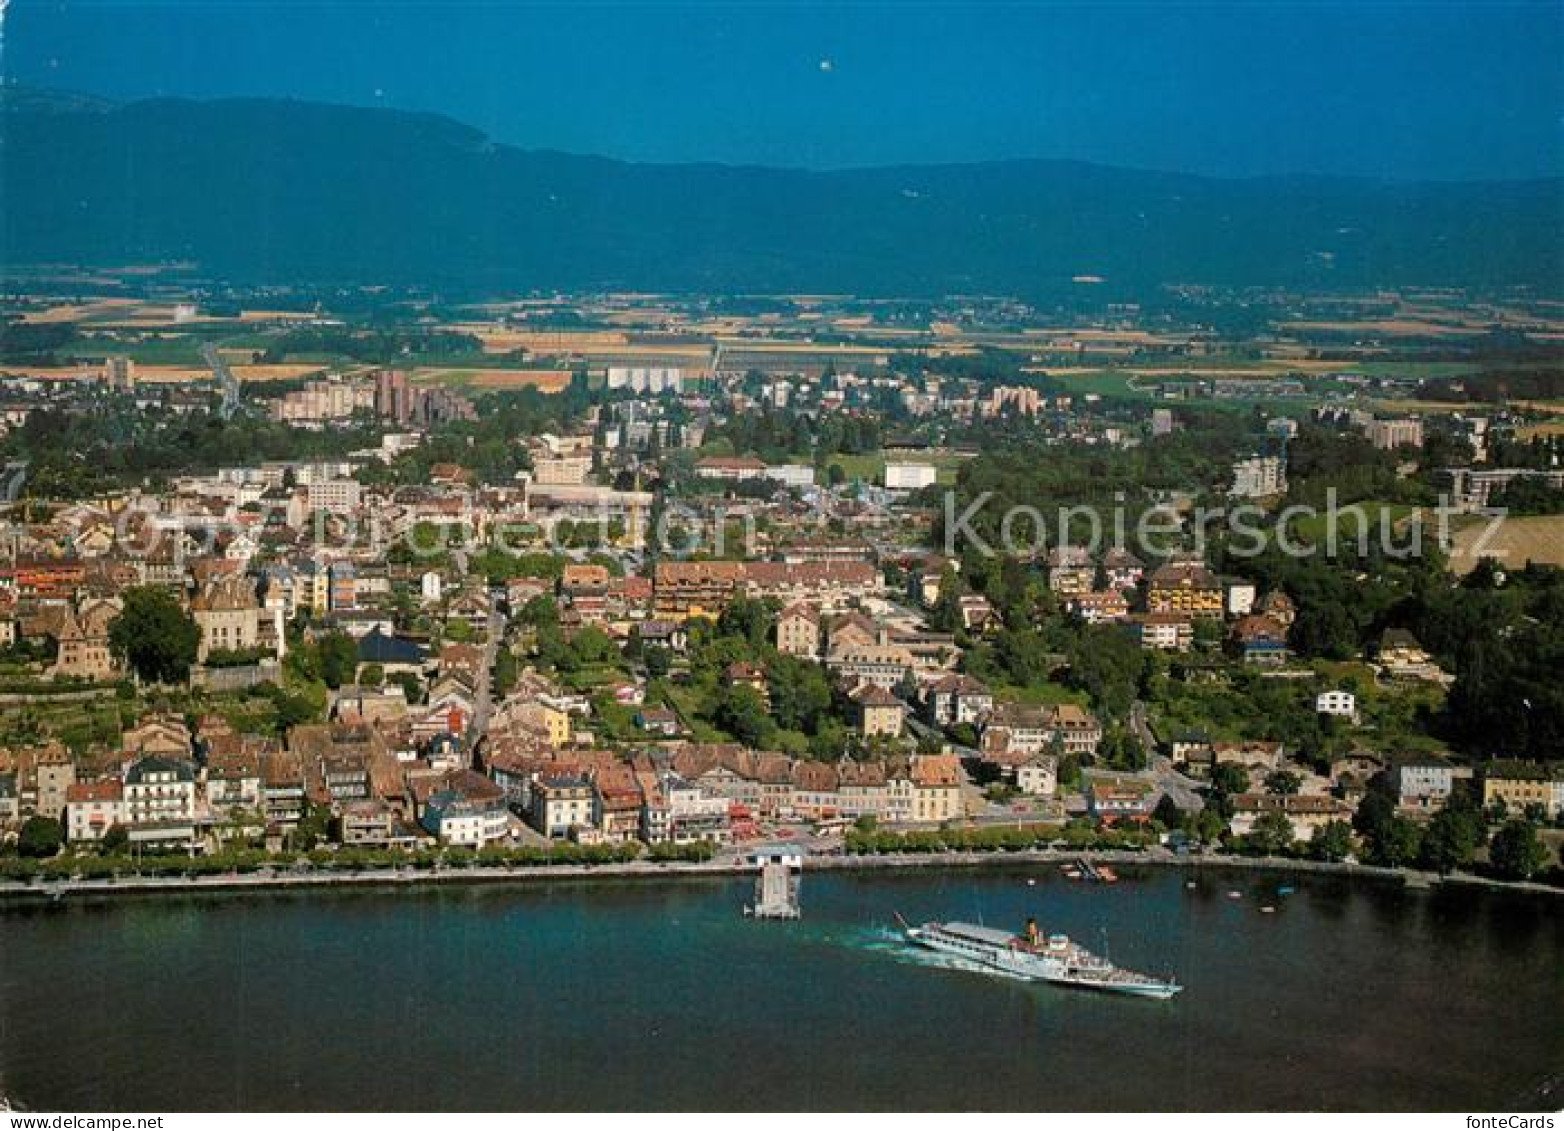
284, 190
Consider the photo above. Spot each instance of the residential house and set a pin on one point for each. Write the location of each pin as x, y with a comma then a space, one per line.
1423, 784
1279, 607
1038, 776
1403, 659
83, 642
1100, 606
233, 776
1014, 728
977, 612
694, 814
1070, 570
885, 665
862, 788
1338, 704
1185, 587
620, 804
370, 823
936, 787
957, 698
1116, 797
1305, 811
658, 720
92, 809
466, 822
1521, 785
48, 772
228, 615
160, 801
283, 791
1122, 569
798, 630
562, 804
1258, 639
879, 713
1164, 632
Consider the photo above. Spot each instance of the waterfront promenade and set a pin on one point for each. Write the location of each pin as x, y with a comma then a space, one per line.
295, 879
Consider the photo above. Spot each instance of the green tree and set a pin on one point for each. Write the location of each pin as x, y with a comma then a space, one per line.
507, 670
1283, 783
1331, 841
115, 840
591, 646
746, 618
800, 693
1210, 825
1451, 839
1107, 665
1167, 813
1398, 845
658, 661
338, 654
1229, 779
946, 615
1516, 852
40, 837
742, 713
154, 635
1272, 833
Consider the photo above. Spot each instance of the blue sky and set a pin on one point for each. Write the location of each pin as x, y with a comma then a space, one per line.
1397, 89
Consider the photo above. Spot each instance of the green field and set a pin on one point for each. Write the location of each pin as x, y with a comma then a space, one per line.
1313, 528
870, 467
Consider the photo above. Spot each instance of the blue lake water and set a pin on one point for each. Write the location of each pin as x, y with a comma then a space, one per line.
631, 995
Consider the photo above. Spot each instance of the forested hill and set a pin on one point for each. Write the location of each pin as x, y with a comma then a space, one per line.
263, 190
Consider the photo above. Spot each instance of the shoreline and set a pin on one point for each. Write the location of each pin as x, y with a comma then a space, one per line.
16, 893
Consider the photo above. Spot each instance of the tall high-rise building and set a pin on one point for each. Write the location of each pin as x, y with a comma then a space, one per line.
393, 396
119, 374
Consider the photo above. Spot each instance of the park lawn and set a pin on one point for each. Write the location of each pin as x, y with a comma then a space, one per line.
869, 466
595, 676
1110, 383
1044, 694
1313, 528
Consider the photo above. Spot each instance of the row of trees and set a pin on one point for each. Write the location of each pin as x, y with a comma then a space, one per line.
42, 858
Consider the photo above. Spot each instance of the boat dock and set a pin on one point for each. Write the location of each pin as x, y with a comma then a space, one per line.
776, 888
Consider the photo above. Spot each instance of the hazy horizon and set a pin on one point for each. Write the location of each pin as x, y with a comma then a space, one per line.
1406, 91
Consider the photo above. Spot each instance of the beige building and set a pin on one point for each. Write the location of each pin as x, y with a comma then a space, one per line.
561, 471
1185, 588
228, 615
83, 639
1387, 434
92, 809
53, 774
879, 712
798, 631
936, 787
1521, 785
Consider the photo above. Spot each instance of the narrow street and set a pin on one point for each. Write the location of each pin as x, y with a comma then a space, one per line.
1183, 790
484, 702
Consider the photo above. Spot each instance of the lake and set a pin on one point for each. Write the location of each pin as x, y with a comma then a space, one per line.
569, 995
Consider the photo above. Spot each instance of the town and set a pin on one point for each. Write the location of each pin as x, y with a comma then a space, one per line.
605, 578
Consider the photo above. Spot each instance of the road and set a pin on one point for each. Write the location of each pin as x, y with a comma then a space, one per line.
922, 730
484, 701
1183, 790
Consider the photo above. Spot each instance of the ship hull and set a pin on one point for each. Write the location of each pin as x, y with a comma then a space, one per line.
1014, 963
